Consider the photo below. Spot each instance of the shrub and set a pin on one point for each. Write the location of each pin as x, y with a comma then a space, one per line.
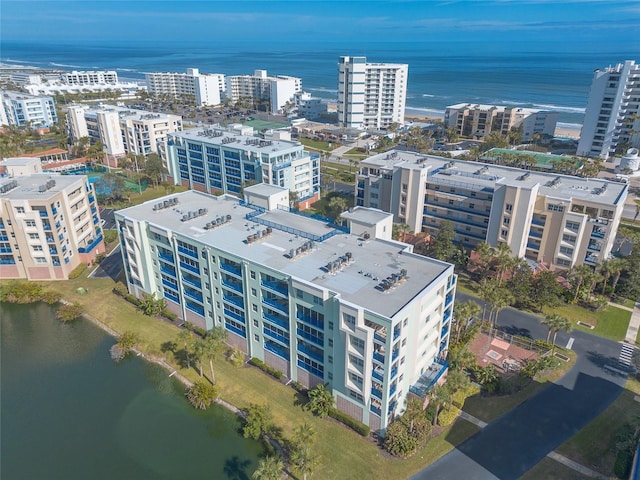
202, 394
447, 415
258, 421
50, 297
76, 272
120, 289
21, 292
195, 329
256, 362
169, 315
235, 356
623, 464
69, 312
350, 422
298, 387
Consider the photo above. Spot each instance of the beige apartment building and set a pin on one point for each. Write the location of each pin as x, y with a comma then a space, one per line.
476, 121
559, 220
49, 224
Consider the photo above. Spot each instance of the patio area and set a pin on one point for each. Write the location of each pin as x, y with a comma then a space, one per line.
505, 352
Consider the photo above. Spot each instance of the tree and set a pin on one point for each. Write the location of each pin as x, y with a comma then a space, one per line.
461, 358
579, 277
69, 312
321, 401
463, 314
269, 468
212, 345
443, 247
304, 434
494, 139
561, 324
258, 421
409, 432
400, 230
127, 341
549, 321
338, 205
185, 337
440, 396
152, 306
154, 168
202, 394
545, 290
304, 460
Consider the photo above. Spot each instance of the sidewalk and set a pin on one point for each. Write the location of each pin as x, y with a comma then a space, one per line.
634, 325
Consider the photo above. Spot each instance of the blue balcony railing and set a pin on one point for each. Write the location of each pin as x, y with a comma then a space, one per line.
277, 349
195, 308
8, 250
193, 295
445, 331
310, 320
237, 287
538, 222
276, 287
376, 410
186, 251
380, 338
378, 375
534, 234
167, 257
394, 354
7, 261
277, 320
46, 227
227, 267
92, 198
448, 300
310, 352
191, 281
233, 315
169, 284
95, 220
276, 336
168, 270
378, 357
446, 316
237, 301
191, 268
312, 338
43, 213
376, 393
53, 251
394, 372
276, 305
4, 238
396, 333
234, 329
87, 248
393, 389
54, 210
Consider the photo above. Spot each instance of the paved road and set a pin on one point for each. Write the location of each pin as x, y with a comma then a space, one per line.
110, 267
514, 443
106, 214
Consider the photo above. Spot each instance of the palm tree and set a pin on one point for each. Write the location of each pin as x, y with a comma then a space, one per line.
604, 269
440, 396
616, 266
212, 345
186, 339
202, 394
320, 400
562, 324
550, 321
578, 277
304, 461
462, 314
269, 468
304, 434
400, 231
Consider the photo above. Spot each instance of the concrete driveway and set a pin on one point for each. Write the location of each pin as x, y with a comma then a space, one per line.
110, 267
514, 443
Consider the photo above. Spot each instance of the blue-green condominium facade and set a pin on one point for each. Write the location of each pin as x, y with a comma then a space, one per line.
215, 160
347, 306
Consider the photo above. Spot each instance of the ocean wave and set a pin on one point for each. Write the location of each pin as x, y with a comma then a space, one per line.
428, 95
418, 111
560, 108
65, 65
322, 89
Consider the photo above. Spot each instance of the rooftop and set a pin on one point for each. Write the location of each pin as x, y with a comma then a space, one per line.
39, 186
479, 106
481, 176
126, 113
365, 215
52, 151
345, 264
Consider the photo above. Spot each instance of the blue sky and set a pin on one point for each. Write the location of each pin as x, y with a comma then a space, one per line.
91, 22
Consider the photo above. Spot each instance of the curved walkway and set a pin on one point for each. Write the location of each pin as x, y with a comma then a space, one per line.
514, 443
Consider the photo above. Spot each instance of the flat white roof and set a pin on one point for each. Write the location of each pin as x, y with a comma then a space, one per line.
356, 281
488, 176
29, 185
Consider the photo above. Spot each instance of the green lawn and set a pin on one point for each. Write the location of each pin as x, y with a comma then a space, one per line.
344, 454
319, 145
593, 445
549, 469
488, 408
611, 323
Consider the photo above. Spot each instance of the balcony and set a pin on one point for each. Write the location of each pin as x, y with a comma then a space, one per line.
448, 300
310, 320
396, 333
58, 225
376, 393
276, 287
94, 210
50, 239
190, 268
92, 198
173, 298
445, 331
52, 250
376, 410
597, 233
393, 389
228, 267
284, 308
310, 352
46, 227
281, 322
237, 301
277, 349
535, 234
90, 246
191, 253
53, 209
378, 357
236, 287
276, 336
394, 354
169, 284
95, 220
43, 213
378, 375
596, 247
193, 295
167, 257
312, 338
168, 270
195, 308
429, 378
8, 250
234, 315
379, 338
446, 316
7, 261
190, 281
394, 372
533, 246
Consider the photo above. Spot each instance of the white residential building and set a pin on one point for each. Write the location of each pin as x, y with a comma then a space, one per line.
22, 109
95, 77
611, 118
204, 88
371, 95
347, 307
217, 160
476, 121
559, 220
122, 130
275, 90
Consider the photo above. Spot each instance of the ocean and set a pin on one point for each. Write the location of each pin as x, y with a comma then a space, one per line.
548, 76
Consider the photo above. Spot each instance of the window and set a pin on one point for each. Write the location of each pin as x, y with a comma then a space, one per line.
254, 292
330, 359
29, 223
506, 220
256, 337
555, 208
569, 238
566, 251
575, 226
355, 378
253, 275
299, 293
508, 207
504, 233
37, 248
349, 321
34, 236
402, 361
356, 362
41, 260
330, 342
357, 342
330, 325
317, 300
19, 209
404, 342
355, 395
255, 322
254, 307
405, 322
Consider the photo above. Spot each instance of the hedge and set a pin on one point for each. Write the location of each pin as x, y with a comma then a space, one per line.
256, 362
76, 272
350, 422
447, 415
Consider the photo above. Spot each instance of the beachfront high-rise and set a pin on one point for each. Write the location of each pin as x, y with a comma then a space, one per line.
216, 160
348, 307
611, 118
49, 223
122, 130
371, 95
203, 88
22, 109
559, 220
274, 90
476, 121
